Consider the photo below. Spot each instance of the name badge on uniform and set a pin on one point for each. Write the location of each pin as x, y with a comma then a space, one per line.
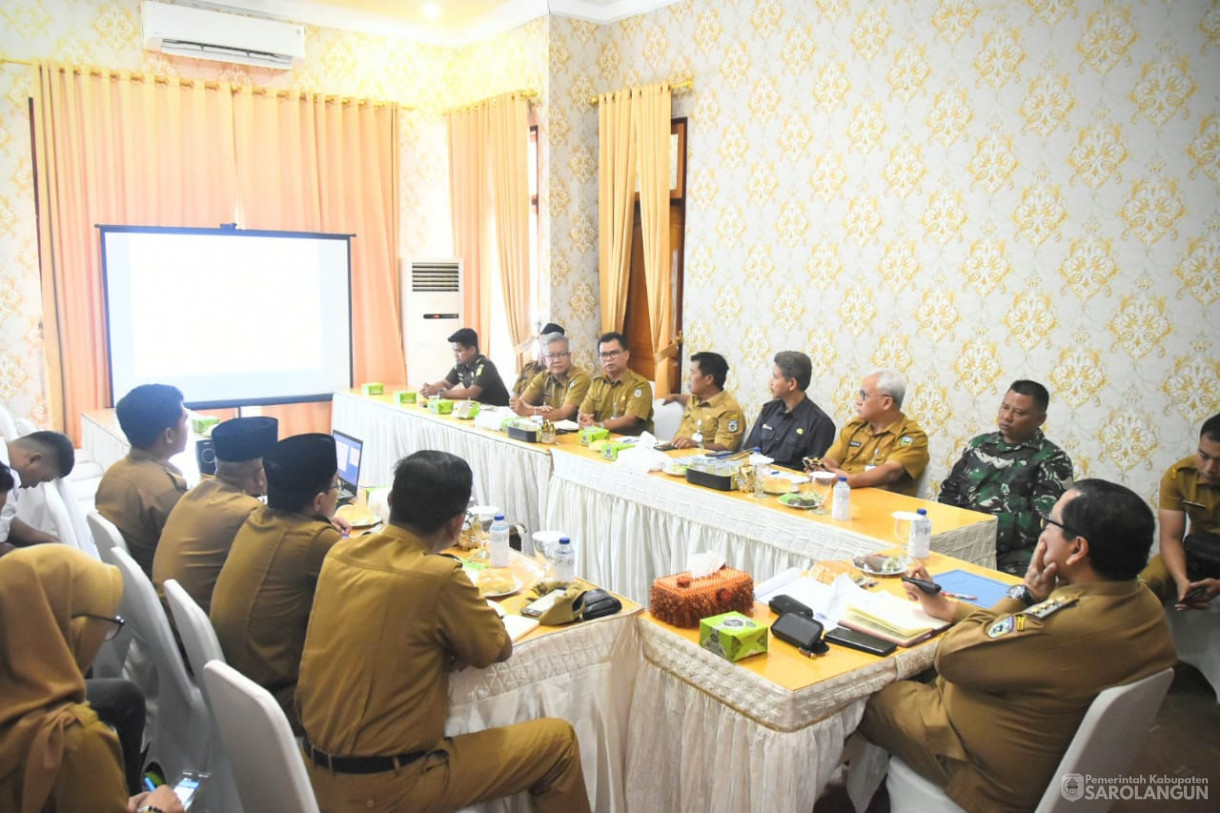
906, 441
855, 444
1001, 627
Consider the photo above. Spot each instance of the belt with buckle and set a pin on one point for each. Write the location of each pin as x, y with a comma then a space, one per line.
360, 765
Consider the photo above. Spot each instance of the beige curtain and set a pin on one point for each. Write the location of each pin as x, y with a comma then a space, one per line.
508, 137
650, 116
469, 205
615, 196
115, 149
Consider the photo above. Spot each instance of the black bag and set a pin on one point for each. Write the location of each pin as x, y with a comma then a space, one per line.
1202, 555
598, 604
801, 631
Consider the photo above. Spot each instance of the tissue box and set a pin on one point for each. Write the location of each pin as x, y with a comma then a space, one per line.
593, 434
733, 636
440, 406
610, 449
467, 410
525, 431
372, 388
404, 396
202, 424
683, 601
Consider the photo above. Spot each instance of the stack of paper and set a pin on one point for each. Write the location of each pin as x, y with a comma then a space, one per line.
894, 619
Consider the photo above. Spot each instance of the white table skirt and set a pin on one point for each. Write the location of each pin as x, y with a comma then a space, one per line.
720, 738
631, 528
509, 474
584, 674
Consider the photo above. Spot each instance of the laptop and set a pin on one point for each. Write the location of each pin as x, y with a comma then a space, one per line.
348, 451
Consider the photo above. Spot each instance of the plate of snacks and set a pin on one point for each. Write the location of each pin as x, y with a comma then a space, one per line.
882, 564
801, 500
497, 584
357, 516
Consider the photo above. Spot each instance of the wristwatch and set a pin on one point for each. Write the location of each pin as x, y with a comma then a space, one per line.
1021, 593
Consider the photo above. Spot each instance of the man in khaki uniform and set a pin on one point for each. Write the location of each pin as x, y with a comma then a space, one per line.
882, 447
390, 621
712, 418
200, 530
260, 607
1016, 680
1190, 489
620, 399
138, 492
558, 392
533, 367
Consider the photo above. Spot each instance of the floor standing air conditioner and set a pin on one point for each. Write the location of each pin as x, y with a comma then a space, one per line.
431, 312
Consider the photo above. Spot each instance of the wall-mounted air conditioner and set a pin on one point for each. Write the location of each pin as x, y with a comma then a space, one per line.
216, 35
431, 313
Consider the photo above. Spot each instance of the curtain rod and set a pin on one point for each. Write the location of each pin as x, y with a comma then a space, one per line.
135, 76
530, 96
676, 87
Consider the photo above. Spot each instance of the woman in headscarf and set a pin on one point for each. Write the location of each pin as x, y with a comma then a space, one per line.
57, 606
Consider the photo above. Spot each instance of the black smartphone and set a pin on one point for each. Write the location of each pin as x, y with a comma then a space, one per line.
931, 588
860, 640
1194, 594
787, 604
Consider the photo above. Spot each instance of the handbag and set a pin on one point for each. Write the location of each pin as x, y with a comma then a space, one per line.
599, 603
1202, 555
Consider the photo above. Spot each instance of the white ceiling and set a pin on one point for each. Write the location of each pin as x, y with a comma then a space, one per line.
459, 23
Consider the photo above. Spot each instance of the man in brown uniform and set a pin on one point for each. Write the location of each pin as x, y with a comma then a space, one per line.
1016, 680
531, 368
138, 492
390, 620
620, 399
558, 391
200, 530
1190, 488
881, 447
260, 607
712, 418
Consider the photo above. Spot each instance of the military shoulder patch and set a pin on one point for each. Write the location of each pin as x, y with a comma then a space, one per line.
638, 393
478, 371
1002, 627
905, 441
733, 424
1048, 608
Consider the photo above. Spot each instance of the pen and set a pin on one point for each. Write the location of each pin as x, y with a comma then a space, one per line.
960, 596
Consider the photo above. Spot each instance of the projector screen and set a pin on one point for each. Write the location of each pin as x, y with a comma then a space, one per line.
231, 318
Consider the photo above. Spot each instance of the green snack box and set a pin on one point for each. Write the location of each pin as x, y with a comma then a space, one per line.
372, 388
593, 434
404, 396
610, 449
733, 636
202, 424
440, 406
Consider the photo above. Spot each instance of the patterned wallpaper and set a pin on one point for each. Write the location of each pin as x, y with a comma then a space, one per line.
969, 192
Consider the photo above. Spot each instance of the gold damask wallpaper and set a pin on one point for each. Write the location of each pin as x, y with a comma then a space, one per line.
969, 192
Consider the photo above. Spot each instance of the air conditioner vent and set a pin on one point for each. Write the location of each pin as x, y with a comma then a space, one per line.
435, 277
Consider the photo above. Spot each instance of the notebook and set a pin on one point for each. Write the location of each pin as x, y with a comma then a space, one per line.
891, 618
348, 452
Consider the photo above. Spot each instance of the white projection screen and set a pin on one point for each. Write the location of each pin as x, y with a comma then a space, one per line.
231, 318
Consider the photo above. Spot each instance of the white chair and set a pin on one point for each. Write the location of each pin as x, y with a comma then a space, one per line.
180, 728
113, 654
267, 763
666, 419
43, 507
1107, 740
8, 427
1196, 634
105, 534
202, 646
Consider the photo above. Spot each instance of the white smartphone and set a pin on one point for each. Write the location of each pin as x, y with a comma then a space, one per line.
539, 606
188, 785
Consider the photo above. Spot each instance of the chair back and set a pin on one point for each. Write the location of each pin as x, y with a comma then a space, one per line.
76, 517
180, 731
8, 427
665, 419
105, 534
266, 760
1108, 738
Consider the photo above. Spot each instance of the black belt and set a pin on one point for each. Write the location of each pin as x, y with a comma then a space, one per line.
361, 765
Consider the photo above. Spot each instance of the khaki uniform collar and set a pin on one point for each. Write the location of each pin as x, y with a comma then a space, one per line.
408, 539
715, 400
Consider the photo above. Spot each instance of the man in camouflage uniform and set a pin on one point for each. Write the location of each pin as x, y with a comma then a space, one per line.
1015, 473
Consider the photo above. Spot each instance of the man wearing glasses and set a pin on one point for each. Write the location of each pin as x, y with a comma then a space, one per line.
1014, 681
882, 447
620, 399
557, 392
1015, 474
533, 367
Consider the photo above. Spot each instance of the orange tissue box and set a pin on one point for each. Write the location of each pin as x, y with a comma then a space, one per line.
682, 601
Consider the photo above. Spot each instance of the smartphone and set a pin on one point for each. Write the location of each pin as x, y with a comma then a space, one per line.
860, 640
931, 588
539, 606
1194, 594
188, 785
787, 604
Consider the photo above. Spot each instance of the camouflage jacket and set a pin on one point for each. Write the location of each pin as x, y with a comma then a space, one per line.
1016, 482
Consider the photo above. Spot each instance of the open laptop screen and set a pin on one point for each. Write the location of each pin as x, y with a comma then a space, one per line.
348, 451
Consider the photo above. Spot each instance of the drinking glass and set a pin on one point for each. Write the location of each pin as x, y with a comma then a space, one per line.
823, 482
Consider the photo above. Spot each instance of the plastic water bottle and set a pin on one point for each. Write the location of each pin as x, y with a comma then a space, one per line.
841, 509
499, 542
919, 545
565, 561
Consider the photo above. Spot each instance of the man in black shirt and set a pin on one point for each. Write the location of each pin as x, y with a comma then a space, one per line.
791, 426
473, 377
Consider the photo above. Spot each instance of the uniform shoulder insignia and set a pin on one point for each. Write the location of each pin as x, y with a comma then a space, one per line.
1002, 627
478, 370
1048, 608
733, 424
637, 393
905, 441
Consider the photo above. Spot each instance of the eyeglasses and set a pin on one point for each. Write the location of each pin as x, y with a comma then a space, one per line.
1048, 521
557, 355
609, 354
116, 623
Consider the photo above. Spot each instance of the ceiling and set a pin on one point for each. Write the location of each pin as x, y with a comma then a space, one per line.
458, 23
